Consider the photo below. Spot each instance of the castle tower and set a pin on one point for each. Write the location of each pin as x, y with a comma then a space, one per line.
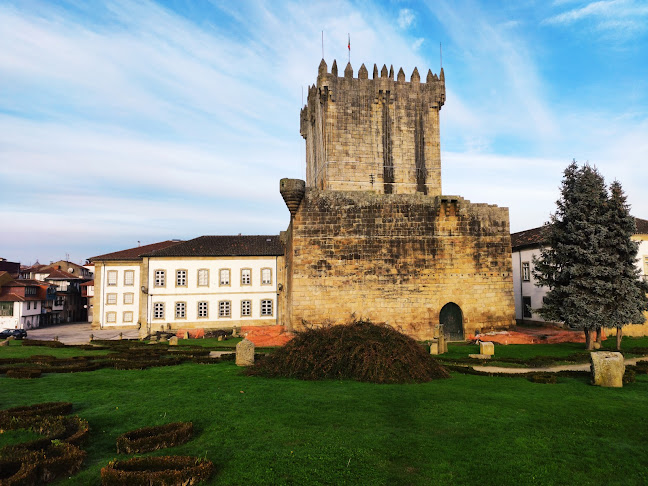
371, 235
379, 135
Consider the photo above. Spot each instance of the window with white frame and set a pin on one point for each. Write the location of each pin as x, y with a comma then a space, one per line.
224, 308
224, 276
111, 317
112, 277
128, 316
160, 278
111, 299
266, 307
246, 276
203, 277
266, 276
246, 308
181, 278
158, 310
129, 298
203, 309
32, 290
526, 271
180, 310
129, 277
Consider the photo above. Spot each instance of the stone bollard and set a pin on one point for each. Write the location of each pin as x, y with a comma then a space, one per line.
235, 332
434, 346
186, 335
4, 343
121, 336
91, 337
486, 347
55, 338
607, 369
173, 341
245, 353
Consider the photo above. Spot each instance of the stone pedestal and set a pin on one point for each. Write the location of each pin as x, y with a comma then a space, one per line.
173, 341
486, 348
434, 347
245, 353
607, 369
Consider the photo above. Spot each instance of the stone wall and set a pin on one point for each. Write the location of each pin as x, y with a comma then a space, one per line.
379, 135
397, 259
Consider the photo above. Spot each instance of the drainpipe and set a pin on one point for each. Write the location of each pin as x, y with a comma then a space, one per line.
521, 284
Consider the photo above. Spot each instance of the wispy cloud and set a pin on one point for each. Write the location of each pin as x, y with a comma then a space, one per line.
405, 18
624, 18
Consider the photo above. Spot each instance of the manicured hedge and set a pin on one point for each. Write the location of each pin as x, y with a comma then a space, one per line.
149, 439
44, 465
23, 373
47, 408
157, 471
16, 472
36, 342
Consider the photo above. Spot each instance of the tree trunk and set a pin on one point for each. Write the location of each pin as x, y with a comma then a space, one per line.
599, 334
619, 336
588, 340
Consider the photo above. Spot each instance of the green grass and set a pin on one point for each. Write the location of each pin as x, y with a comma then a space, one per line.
465, 430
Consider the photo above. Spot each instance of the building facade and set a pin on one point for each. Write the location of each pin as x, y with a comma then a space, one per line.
371, 234
25, 303
207, 282
528, 296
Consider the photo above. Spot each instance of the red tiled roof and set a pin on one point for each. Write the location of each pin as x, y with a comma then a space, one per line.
55, 274
90, 283
135, 253
10, 297
24, 282
534, 236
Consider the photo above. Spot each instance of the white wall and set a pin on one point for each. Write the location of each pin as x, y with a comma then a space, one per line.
526, 289
214, 293
119, 290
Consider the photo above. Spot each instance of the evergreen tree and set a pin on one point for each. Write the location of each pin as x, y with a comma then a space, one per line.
575, 265
629, 289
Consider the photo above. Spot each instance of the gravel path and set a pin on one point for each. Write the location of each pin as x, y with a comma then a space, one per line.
549, 369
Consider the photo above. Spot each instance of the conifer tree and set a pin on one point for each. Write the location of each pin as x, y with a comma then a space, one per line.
629, 289
576, 264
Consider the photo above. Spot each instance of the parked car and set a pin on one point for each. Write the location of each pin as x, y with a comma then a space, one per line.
16, 333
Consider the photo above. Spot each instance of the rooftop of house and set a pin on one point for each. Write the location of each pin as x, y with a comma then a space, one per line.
221, 246
534, 236
135, 253
55, 274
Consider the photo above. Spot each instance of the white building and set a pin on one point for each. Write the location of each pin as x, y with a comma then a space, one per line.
207, 282
526, 245
24, 303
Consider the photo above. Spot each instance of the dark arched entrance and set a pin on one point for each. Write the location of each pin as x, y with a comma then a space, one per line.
452, 320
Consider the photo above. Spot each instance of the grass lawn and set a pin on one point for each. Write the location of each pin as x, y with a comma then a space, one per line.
465, 430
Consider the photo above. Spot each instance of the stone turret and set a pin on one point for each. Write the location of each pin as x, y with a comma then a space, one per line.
379, 135
292, 191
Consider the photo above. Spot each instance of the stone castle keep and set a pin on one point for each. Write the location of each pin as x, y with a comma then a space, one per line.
371, 235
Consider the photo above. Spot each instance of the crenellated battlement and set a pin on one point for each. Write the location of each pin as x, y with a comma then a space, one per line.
379, 134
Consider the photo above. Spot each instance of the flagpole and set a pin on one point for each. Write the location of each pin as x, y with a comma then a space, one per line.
349, 46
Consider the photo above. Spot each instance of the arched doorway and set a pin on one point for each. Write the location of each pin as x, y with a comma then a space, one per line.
452, 320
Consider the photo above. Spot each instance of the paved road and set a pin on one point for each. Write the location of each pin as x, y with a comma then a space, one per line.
78, 333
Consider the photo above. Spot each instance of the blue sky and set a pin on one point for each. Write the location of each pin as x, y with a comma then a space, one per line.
126, 121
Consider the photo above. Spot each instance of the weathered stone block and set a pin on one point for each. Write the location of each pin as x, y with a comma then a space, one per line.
607, 369
173, 341
245, 353
486, 347
434, 347
480, 356
4, 343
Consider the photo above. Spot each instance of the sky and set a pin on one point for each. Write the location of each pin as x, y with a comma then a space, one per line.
126, 122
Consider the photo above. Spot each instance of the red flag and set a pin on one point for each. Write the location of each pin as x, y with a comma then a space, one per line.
349, 45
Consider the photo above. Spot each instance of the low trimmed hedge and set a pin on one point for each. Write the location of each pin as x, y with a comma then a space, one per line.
16, 472
157, 471
46, 408
37, 342
23, 373
149, 439
44, 465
